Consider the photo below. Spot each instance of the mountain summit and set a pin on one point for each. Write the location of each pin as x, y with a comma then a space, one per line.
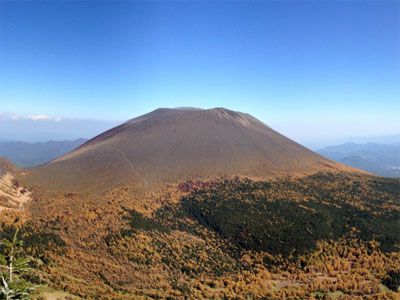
168, 145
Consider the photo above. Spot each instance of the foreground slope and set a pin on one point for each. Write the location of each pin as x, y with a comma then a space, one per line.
168, 145
322, 236
12, 195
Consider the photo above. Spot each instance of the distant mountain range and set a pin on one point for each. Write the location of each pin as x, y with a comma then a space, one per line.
27, 155
380, 159
42, 128
393, 139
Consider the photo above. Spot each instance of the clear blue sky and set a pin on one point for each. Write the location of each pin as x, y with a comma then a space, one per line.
332, 68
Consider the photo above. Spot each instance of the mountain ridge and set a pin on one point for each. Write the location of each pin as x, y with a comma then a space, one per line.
379, 159
26, 154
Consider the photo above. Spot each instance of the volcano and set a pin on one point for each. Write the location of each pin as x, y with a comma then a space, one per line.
204, 204
170, 145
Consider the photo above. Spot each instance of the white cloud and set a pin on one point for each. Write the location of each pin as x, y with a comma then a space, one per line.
38, 117
14, 117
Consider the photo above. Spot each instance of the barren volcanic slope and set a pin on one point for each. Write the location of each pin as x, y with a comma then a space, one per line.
167, 145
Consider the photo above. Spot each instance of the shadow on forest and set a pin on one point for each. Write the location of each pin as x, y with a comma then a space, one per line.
286, 227
242, 213
35, 241
138, 221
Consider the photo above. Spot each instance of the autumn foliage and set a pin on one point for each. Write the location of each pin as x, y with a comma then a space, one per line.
324, 236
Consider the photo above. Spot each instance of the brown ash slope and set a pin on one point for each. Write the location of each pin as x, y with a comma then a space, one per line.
171, 145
